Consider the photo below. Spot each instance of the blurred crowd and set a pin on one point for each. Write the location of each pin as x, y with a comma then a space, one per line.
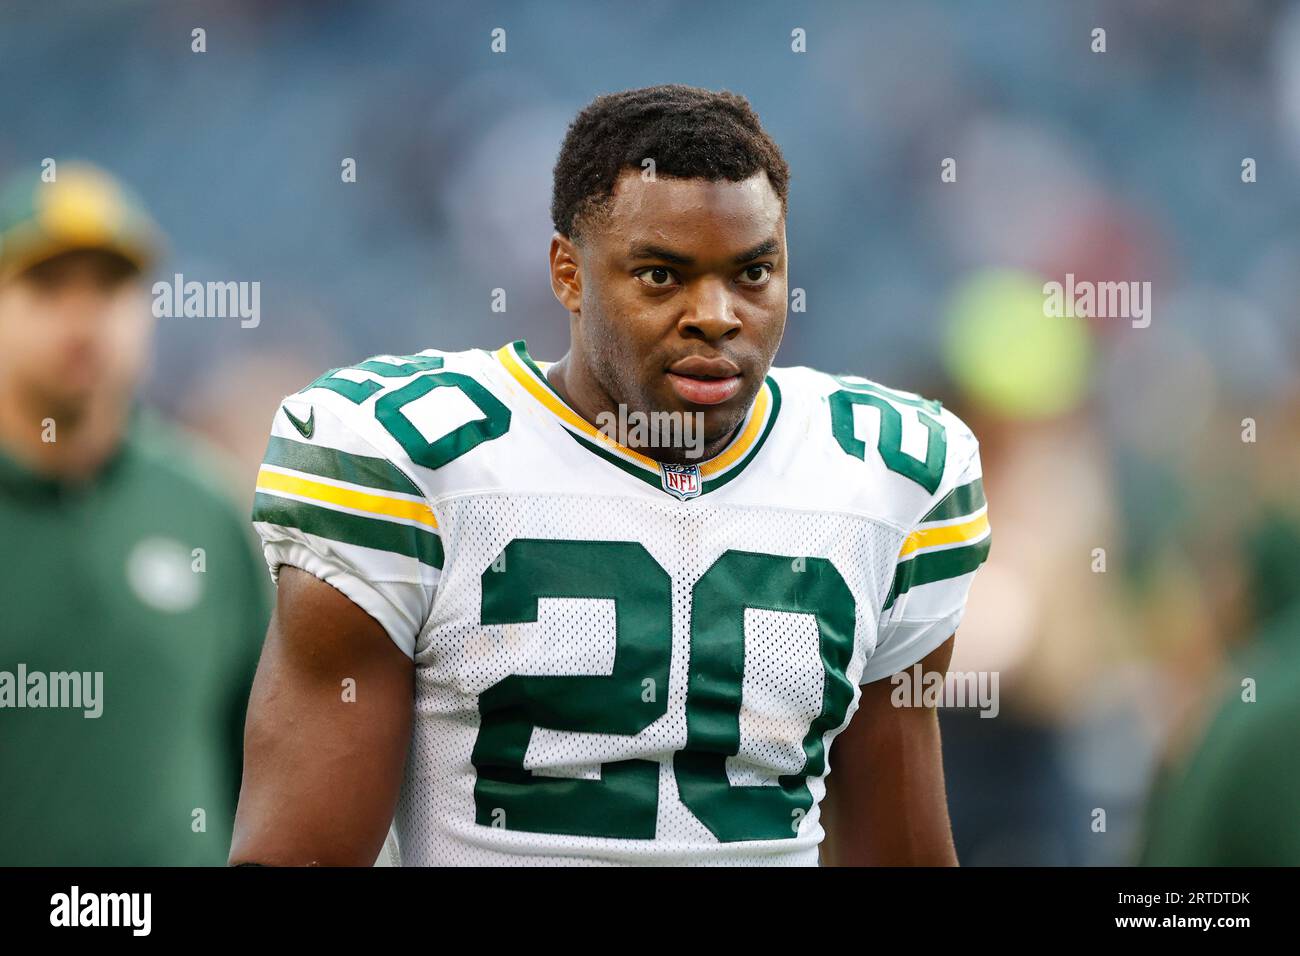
1141, 479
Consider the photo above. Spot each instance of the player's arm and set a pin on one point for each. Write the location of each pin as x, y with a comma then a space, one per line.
322, 765
885, 792
886, 803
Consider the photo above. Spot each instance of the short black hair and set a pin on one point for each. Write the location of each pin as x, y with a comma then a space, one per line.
690, 133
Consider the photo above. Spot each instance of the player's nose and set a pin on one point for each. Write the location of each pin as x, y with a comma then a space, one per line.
709, 314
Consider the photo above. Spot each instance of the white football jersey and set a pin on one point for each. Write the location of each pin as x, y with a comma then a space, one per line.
617, 661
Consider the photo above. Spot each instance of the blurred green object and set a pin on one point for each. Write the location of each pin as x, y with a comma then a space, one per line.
1008, 355
1272, 548
100, 579
1236, 801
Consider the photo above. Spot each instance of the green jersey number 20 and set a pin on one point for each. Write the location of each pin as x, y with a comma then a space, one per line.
623, 802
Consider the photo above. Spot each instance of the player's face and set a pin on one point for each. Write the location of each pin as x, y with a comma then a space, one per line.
683, 298
73, 331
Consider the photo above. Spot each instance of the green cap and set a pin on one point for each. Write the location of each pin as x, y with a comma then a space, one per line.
82, 208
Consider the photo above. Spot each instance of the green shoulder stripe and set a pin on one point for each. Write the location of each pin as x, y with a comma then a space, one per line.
936, 566
339, 465
424, 546
958, 502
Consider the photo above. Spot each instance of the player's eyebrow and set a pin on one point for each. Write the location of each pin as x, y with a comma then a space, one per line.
648, 250
764, 248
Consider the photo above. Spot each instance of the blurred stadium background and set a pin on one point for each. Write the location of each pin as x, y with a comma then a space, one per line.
1117, 166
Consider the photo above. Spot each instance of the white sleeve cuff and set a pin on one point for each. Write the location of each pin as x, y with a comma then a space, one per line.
402, 631
907, 643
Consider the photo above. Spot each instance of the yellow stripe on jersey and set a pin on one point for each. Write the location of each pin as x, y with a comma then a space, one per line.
373, 504
949, 534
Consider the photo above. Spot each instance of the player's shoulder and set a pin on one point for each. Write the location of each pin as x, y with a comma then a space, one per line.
390, 415
349, 387
814, 387
366, 396
888, 450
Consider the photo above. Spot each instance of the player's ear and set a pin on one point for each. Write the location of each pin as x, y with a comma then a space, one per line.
566, 272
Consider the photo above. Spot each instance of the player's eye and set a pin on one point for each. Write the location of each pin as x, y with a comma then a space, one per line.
658, 277
755, 275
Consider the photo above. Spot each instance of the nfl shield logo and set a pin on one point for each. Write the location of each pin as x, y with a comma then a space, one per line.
680, 480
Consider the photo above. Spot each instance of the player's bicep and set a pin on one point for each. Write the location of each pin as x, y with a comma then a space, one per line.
329, 724
885, 792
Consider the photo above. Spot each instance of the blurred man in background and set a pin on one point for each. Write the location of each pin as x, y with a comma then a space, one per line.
132, 603
1233, 800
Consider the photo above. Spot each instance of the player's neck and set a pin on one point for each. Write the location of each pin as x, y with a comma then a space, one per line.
593, 404
69, 444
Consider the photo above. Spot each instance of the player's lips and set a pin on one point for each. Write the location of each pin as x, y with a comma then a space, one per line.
704, 381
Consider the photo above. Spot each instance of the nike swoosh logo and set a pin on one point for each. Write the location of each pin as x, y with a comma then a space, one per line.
305, 428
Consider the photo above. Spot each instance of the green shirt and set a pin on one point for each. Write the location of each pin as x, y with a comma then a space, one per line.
143, 575
1236, 801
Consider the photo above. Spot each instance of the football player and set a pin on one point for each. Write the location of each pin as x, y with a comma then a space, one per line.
522, 639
